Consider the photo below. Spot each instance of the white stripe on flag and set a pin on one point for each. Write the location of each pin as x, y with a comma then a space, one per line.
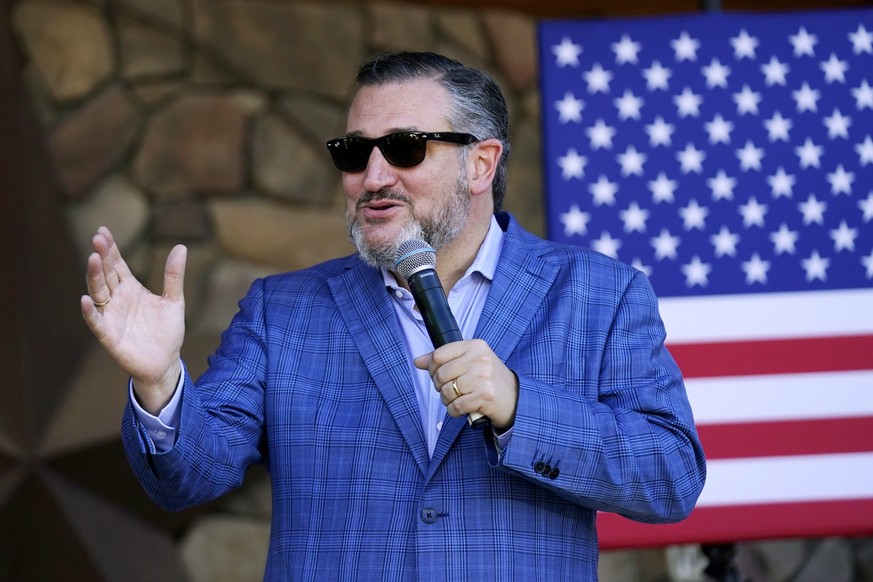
788, 479
781, 397
767, 316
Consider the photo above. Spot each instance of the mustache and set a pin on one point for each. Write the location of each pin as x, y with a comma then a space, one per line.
385, 194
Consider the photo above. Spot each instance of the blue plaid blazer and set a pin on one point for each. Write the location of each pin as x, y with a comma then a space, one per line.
311, 380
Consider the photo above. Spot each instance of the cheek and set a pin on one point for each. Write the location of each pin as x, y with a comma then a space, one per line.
350, 182
352, 188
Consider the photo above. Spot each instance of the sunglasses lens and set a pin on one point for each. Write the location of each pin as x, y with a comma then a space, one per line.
404, 149
350, 154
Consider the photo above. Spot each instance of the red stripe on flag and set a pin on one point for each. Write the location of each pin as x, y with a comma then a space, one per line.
792, 437
742, 522
785, 356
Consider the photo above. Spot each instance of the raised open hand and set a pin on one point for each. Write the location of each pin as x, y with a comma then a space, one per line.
142, 331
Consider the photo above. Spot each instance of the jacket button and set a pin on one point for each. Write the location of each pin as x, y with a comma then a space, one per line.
539, 467
429, 515
554, 474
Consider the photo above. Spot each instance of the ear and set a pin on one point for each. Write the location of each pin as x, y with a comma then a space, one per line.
482, 165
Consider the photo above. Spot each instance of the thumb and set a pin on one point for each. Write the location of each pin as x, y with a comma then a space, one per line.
422, 362
174, 273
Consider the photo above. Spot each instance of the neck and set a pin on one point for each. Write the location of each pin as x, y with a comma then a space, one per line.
455, 258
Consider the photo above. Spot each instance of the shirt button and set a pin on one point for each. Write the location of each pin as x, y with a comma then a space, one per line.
440, 425
429, 515
161, 434
398, 294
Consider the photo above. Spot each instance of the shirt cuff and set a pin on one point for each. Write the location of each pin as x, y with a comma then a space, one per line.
501, 440
161, 428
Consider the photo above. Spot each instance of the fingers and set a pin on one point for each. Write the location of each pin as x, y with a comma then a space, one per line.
459, 397
471, 378
456, 389
174, 273
101, 275
89, 312
422, 362
444, 370
95, 279
92, 316
455, 359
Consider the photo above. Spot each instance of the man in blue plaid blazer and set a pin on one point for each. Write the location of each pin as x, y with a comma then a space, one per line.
325, 374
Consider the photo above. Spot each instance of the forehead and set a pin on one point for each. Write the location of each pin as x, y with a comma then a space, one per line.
418, 104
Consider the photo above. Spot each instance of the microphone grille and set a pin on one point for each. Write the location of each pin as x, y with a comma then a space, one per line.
413, 255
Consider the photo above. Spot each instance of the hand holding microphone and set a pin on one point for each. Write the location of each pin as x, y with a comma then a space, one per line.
416, 262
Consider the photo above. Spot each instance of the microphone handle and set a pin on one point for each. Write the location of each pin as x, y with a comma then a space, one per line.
439, 321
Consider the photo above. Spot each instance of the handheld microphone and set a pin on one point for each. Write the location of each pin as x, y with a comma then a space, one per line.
416, 262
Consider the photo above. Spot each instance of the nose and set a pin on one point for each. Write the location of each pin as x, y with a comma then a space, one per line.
378, 173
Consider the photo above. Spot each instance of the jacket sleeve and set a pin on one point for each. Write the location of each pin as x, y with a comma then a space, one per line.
208, 461
606, 423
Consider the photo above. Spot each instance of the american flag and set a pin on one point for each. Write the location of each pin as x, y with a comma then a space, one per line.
730, 158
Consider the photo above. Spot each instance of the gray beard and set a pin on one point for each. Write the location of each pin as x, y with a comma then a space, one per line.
437, 231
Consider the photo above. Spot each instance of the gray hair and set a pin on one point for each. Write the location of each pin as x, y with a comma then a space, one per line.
478, 106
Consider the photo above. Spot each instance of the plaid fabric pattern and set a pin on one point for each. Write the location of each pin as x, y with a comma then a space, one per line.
310, 379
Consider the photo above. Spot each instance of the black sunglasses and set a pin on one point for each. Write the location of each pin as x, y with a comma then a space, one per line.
403, 149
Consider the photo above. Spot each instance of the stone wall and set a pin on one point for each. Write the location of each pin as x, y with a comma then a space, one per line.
204, 121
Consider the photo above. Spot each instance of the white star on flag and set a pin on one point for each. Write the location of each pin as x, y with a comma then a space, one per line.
634, 218
804, 43
778, 127
696, 272
716, 74
572, 164
781, 183
865, 151
569, 108
626, 50
575, 221
775, 72
722, 186
725, 242
834, 69
719, 129
862, 41
863, 95
660, 132
603, 191
747, 101
598, 79
784, 240
806, 98
657, 77
844, 237
744, 45
838, 125
685, 47
600, 135
567, 53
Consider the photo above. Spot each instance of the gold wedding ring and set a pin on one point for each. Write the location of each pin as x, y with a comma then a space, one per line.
101, 303
455, 388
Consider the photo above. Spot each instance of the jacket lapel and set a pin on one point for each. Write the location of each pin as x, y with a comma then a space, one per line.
373, 326
520, 285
